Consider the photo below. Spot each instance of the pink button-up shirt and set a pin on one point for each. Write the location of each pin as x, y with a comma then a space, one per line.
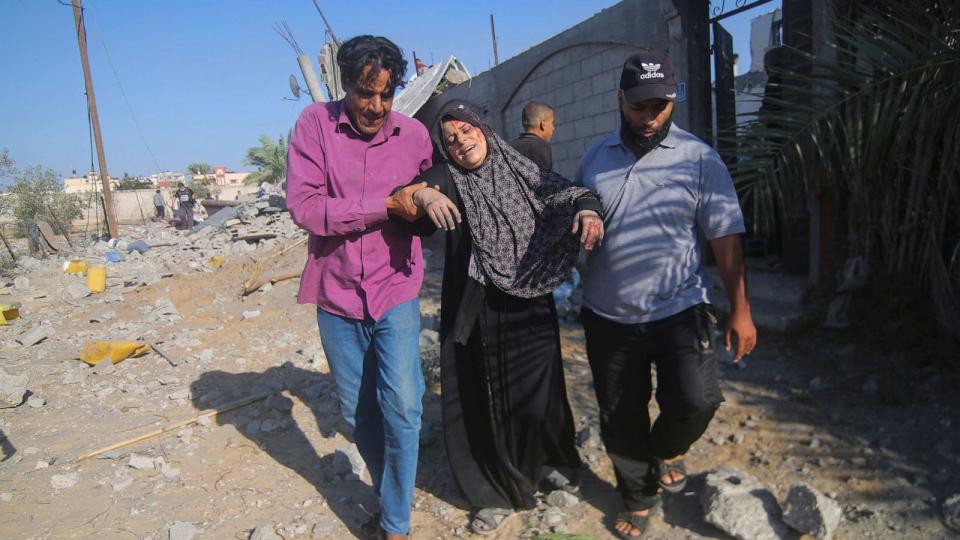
360, 262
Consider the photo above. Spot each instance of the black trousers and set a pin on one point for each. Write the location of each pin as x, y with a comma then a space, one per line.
621, 355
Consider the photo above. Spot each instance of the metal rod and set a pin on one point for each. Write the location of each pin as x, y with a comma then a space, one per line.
329, 28
741, 9
95, 119
493, 32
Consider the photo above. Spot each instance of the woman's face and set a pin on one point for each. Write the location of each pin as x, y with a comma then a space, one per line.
466, 144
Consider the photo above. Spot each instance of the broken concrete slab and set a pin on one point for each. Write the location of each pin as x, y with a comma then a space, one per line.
33, 336
265, 532
163, 309
811, 512
12, 389
182, 530
739, 505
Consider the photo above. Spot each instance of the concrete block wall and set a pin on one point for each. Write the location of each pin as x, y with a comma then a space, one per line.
577, 72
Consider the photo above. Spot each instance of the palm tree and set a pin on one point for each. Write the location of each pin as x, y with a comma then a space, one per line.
876, 132
199, 168
270, 160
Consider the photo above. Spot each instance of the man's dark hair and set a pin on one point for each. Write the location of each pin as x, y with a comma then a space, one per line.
375, 51
533, 113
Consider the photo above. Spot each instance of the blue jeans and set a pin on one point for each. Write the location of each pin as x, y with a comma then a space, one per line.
376, 367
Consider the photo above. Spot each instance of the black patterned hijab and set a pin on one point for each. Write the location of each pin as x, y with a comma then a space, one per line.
519, 214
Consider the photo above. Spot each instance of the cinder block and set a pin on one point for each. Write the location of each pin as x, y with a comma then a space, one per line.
583, 89
571, 73
614, 58
611, 102
606, 122
591, 66
605, 82
555, 79
583, 127
578, 52
593, 105
563, 95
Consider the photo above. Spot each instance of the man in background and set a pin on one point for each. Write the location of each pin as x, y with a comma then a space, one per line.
158, 204
184, 196
538, 130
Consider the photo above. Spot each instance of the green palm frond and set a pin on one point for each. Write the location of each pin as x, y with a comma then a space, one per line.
270, 158
877, 130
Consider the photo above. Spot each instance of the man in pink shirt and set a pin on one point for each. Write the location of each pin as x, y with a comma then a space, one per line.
365, 268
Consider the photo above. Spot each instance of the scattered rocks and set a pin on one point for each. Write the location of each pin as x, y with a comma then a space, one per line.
182, 530
121, 480
12, 389
141, 462
21, 283
811, 512
347, 459
322, 528
429, 339
252, 314
589, 437
163, 309
36, 402
265, 532
562, 499
33, 336
183, 393
77, 290
64, 481
739, 505
735, 438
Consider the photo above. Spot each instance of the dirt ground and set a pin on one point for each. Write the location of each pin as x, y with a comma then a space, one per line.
885, 444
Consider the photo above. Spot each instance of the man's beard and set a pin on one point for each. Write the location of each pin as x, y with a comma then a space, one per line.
639, 144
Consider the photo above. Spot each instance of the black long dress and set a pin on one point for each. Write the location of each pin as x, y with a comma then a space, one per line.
505, 408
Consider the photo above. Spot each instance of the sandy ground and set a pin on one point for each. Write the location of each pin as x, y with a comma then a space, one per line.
883, 443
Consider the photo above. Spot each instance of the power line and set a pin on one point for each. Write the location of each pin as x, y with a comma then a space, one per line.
133, 116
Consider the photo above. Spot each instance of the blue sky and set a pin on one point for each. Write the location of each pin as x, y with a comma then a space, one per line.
204, 78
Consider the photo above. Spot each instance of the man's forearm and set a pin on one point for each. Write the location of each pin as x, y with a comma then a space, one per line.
730, 265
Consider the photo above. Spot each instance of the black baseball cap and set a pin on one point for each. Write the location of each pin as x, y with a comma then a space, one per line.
648, 75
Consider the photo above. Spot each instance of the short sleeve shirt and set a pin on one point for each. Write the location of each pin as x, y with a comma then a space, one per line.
659, 211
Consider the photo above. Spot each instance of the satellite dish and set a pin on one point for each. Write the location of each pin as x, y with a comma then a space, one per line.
294, 87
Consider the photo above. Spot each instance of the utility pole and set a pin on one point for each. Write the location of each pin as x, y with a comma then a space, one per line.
493, 32
95, 119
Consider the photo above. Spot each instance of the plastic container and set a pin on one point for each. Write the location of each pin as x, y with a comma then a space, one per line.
97, 279
75, 267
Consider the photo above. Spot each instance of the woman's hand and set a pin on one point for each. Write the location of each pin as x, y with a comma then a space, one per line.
441, 210
590, 226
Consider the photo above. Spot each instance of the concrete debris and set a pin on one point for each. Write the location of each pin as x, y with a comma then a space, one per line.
36, 402
21, 283
77, 290
429, 339
33, 336
183, 393
64, 481
951, 512
265, 532
250, 314
121, 480
739, 505
182, 530
141, 462
589, 437
347, 459
12, 389
163, 310
562, 499
811, 512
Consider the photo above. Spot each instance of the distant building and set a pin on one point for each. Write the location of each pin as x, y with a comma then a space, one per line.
228, 178
166, 179
85, 184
